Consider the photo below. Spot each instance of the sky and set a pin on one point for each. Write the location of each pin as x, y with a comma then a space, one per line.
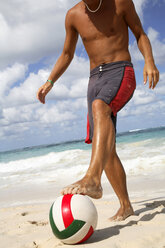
32, 34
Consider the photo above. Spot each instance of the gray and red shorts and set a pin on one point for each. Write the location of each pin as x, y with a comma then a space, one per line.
114, 83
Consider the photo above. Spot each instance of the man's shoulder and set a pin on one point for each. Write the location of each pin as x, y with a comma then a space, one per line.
75, 9
123, 1
123, 5
74, 13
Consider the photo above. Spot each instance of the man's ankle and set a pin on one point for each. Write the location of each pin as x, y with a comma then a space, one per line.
93, 178
125, 204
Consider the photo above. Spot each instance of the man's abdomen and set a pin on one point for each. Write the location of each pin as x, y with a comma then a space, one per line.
108, 51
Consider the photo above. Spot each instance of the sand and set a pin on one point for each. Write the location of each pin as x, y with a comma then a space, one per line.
27, 226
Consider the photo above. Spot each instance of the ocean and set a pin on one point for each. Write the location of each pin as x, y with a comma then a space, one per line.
32, 173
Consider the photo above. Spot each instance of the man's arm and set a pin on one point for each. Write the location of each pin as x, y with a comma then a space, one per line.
64, 60
144, 44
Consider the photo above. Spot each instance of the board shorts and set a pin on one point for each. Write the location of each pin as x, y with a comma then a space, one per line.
114, 83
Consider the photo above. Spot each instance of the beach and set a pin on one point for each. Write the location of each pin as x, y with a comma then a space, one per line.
31, 180
28, 226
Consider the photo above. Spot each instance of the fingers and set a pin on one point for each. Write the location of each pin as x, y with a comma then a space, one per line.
150, 77
145, 77
153, 78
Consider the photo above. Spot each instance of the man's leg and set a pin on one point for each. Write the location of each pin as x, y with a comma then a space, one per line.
117, 178
102, 145
104, 157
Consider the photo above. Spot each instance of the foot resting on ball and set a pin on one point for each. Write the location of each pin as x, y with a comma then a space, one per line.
85, 186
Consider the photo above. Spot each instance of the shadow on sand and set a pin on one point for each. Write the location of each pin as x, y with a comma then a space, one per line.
108, 232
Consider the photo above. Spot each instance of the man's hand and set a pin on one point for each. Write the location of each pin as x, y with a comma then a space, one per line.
151, 71
43, 91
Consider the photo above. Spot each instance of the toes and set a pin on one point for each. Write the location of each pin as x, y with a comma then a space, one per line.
119, 218
69, 191
72, 189
76, 190
66, 190
81, 191
114, 218
63, 191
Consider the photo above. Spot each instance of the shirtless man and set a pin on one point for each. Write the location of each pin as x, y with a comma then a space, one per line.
103, 27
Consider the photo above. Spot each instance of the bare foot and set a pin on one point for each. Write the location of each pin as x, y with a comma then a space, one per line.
85, 186
122, 214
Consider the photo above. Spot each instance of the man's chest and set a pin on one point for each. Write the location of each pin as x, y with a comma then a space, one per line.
93, 27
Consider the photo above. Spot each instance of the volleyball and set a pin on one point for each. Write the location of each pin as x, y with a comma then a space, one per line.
73, 218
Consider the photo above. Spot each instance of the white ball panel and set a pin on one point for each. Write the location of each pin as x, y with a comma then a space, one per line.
57, 214
78, 236
84, 209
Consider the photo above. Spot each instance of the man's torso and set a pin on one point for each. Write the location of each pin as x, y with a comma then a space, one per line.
104, 33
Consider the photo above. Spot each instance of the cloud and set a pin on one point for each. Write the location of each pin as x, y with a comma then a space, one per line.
143, 96
25, 92
73, 83
31, 29
146, 102
140, 5
65, 106
158, 47
160, 89
9, 76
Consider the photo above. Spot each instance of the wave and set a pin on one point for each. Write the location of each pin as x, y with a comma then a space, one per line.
140, 155
142, 130
135, 130
145, 149
26, 151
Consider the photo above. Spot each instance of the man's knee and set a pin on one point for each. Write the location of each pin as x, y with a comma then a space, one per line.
100, 108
